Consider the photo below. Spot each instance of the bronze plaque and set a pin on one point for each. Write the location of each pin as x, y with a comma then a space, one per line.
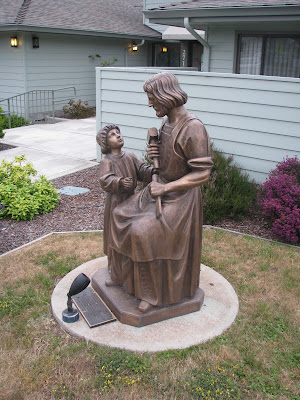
92, 308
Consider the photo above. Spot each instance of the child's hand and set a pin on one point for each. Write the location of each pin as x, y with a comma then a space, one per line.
127, 183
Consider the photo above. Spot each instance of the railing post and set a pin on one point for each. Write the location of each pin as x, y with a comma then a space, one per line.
52, 106
9, 120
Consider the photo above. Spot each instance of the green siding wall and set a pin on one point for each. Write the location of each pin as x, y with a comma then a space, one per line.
12, 62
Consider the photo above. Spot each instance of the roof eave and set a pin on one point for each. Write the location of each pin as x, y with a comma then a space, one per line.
42, 29
207, 16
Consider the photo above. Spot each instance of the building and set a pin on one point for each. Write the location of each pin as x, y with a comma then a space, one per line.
257, 37
54, 44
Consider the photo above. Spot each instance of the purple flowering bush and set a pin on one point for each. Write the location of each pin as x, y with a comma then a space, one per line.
279, 199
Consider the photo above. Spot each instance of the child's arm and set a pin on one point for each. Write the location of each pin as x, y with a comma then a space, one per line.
109, 181
144, 171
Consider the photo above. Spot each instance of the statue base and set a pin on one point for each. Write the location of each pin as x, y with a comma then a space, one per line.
125, 306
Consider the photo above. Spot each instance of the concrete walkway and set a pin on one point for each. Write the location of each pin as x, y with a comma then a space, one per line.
55, 149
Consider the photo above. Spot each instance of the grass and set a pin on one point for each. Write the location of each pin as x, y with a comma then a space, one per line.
257, 358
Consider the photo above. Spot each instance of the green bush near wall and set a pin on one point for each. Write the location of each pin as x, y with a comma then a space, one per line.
16, 121
229, 192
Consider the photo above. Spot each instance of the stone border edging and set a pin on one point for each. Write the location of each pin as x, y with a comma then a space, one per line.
101, 230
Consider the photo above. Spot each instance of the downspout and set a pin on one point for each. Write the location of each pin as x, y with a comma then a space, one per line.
200, 39
141, 43
127, 49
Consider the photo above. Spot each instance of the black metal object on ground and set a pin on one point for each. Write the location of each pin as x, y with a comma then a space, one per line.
92, 308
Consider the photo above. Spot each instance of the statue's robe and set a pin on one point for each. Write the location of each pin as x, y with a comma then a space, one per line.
112, 169
158, 260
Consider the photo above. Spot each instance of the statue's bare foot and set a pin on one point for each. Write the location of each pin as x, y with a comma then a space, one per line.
110, 282
145, 306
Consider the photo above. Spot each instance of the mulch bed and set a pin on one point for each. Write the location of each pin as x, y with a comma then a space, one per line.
85, 212
4, 146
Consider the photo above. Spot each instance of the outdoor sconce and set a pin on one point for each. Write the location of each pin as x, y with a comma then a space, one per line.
35, 42
14, 41
79, 284
134, 47
164, 49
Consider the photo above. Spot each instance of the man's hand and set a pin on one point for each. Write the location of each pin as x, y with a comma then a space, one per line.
153, 150
157, 189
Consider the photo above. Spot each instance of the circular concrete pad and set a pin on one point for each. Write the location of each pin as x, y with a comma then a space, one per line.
217, 313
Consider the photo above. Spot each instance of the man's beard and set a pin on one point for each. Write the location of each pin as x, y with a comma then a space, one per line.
161, 112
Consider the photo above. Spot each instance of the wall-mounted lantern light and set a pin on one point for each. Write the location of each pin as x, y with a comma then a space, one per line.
14, 41
134, 47
35, 42
164, 49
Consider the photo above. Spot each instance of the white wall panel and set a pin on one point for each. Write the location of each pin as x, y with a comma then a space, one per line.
254, 118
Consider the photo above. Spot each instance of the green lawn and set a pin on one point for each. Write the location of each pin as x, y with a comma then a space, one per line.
257, 358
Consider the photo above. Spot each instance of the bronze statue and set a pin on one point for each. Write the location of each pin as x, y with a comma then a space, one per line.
157, 257
119, 173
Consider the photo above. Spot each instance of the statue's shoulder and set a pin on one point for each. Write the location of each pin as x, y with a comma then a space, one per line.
194, 124
106, 159
129, 154
194, 120
106, 162
192, 131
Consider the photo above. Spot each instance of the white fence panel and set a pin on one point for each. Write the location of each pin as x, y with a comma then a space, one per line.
254, 118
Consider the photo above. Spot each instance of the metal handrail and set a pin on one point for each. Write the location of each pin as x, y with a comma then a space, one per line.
34, 104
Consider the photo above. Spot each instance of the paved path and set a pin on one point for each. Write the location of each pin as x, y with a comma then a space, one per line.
54, 149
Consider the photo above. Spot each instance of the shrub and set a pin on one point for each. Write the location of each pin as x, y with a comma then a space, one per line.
1, 128
15, 122
20, 197
78, 110
229, 193
279, 199
104, 63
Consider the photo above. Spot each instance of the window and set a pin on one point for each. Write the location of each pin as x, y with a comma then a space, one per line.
166, 55
269, 55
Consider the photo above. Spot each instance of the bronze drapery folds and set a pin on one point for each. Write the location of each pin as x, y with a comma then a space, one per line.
158, 259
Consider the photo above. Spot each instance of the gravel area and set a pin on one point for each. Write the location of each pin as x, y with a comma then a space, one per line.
84, 212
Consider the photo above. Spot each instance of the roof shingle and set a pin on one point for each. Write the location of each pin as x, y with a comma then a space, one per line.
124, 17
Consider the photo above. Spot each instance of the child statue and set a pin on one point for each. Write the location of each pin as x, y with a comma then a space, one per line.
119, 173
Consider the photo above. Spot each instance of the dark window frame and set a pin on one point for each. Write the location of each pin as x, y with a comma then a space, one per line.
264, 37
161, 44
